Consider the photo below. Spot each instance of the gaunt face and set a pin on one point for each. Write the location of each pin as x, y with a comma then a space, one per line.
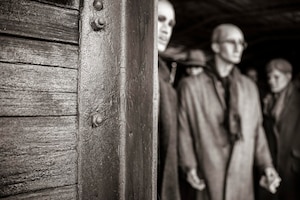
166, 22
278, 80
231, 45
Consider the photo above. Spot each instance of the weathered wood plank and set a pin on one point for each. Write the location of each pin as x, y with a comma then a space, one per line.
37, 78
26, 103
37, 135
74, 4
15, 49
37, 153
61, 193
37, 20
26, 173
140, 101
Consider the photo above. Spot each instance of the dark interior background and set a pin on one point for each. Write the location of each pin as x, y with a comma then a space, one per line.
271, 28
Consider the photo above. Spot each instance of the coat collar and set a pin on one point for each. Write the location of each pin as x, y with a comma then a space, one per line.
271, 107
163, 70
211, 71
290, 91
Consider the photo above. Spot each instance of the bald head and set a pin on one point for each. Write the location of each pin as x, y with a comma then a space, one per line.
228, 43
224, 29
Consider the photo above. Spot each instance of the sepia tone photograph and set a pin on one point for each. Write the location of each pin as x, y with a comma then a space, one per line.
149, 100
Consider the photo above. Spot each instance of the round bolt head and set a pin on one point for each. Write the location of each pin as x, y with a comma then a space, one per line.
98, 24
98, 5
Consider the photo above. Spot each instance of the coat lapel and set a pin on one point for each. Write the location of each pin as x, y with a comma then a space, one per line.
287, 102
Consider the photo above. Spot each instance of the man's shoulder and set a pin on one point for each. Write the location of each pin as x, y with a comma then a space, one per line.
192, 81
247, 82
249, 88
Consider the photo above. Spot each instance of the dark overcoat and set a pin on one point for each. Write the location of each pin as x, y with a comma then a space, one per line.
284, 140
168, 188
204, 144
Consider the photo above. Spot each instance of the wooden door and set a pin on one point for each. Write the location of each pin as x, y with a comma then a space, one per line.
38, 99
55, 73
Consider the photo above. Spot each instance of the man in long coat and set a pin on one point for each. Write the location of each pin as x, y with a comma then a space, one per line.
220, 125
282, 126
168, 186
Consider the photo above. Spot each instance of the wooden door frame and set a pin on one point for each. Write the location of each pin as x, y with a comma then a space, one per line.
118, 83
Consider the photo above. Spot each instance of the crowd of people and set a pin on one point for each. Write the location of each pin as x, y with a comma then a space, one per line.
219, 138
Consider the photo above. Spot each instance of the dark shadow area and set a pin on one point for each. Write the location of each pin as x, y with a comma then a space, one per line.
271, 28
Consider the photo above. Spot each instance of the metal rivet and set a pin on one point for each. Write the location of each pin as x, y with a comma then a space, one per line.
98, 24
98, 5
96, 119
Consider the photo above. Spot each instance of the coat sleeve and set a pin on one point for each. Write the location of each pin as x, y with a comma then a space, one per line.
262, 156
187, 158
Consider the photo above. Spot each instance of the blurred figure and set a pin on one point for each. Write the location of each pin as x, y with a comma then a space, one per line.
195, 61
251, 72
220, 126
190, 65
282, 126
168, 188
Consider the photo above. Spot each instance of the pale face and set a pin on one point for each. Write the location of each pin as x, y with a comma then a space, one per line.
231, 46
194, 70
166, 22
278, 80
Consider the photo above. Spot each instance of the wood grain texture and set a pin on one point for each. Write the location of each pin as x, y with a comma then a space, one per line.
140, 127
37, 153
15, 49
37, 78
37, 135
61, 193
73, 4
26, 173
38, 20
27, 103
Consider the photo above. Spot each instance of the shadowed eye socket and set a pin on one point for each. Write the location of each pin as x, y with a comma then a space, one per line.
161, 18
233, 42
172, 23
272, 77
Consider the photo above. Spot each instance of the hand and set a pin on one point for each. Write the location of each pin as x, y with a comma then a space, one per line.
194, 180
270, 180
